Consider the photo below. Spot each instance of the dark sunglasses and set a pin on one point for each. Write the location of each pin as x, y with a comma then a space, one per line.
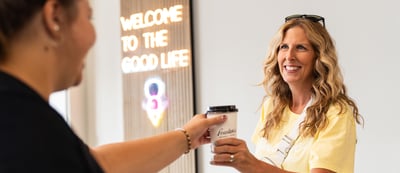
314, 18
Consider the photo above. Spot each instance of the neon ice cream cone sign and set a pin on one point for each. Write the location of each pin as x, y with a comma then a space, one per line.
155, 101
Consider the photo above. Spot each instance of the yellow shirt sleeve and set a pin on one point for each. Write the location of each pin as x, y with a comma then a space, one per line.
334, 146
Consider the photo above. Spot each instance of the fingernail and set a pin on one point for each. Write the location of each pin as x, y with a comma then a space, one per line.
224, 117
212, 160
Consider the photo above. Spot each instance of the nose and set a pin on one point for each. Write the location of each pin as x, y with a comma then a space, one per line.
290, 54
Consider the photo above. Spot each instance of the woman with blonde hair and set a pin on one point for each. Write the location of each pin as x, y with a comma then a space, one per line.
307, 122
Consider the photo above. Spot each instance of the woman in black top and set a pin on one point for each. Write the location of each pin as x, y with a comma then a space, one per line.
42, 48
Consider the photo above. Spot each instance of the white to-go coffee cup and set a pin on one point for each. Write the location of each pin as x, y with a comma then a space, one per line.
226, 129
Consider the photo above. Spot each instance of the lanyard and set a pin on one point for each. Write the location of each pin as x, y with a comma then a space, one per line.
288, 140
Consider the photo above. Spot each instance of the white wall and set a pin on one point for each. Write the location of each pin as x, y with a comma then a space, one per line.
231, 38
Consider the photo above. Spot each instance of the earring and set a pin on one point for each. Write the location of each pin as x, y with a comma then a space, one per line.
56, 28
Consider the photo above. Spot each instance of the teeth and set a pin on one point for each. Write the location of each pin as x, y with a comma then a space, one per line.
292, 68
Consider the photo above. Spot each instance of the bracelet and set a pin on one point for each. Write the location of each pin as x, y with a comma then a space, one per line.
188, 140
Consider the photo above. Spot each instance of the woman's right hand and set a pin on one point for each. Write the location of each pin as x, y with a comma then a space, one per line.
233, 152
198, 127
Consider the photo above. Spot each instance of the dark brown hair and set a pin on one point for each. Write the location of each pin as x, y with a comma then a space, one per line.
15, 14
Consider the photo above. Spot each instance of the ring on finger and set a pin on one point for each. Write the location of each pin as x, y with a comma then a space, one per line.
232, 158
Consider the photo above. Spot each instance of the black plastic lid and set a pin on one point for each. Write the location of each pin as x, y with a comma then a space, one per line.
223, 108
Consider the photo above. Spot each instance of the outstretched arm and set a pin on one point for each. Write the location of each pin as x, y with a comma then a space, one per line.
154, 153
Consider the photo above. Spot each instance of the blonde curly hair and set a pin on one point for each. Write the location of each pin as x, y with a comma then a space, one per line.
327, 88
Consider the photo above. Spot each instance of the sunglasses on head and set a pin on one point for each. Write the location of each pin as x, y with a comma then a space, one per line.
313, 18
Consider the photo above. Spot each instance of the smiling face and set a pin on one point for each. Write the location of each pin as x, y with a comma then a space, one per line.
78, 39
296, 58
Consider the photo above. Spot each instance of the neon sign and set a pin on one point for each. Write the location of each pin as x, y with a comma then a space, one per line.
157, 72
158, 39
149, 62
155, 101
153, 17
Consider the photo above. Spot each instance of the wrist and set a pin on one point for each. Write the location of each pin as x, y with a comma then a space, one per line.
188, 139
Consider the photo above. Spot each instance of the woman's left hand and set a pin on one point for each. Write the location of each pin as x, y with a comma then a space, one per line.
233, 152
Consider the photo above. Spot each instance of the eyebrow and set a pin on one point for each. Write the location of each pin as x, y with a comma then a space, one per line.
308, 44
